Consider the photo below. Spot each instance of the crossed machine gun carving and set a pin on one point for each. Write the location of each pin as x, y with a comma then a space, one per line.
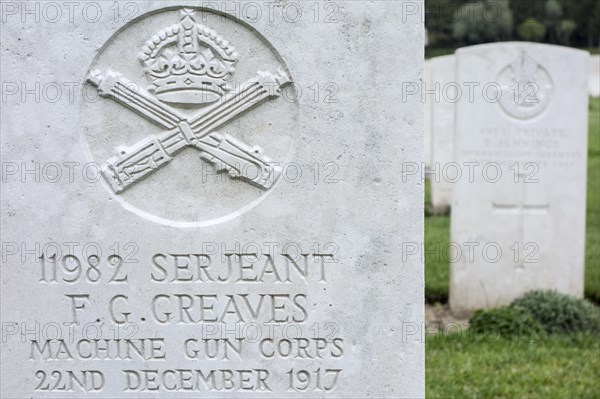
223, 151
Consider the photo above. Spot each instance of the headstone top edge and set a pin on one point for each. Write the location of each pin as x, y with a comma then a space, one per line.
443, 58
518, 45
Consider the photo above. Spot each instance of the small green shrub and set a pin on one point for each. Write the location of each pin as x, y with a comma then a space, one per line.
560, 313
505, 321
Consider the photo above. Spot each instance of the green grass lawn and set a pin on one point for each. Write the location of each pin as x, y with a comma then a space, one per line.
592, 246
437, 269
466, 366
437, 228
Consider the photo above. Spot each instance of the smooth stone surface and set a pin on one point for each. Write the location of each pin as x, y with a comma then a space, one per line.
428, 99
444, 169
523, 213
594, 79
188, 283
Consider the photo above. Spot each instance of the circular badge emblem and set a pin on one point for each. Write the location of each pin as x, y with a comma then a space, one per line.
192, 124
526, 88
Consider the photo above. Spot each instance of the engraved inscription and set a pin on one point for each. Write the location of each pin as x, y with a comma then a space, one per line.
521, 208
224, 327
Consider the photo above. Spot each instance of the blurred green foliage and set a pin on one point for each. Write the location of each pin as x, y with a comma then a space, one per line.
456, 23
531, 30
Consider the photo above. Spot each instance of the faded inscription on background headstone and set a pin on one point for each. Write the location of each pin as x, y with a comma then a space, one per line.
518, 212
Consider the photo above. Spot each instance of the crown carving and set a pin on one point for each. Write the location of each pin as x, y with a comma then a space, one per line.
524, 68
188, 63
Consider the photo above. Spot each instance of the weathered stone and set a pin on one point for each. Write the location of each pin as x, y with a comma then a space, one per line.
245, 238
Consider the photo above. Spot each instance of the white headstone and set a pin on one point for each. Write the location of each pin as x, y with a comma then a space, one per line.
444, 169
594, 79
518, 213
144, 272
428, 82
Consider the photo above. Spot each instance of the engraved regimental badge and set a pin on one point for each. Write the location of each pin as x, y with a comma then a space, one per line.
526, 88
182, 83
